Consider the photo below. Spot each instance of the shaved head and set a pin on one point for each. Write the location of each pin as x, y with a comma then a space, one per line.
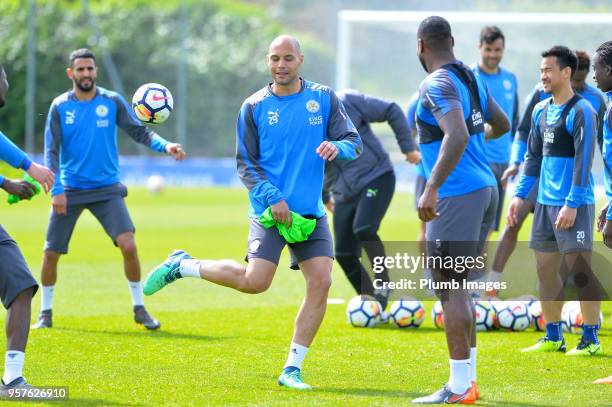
435, 32
282, 40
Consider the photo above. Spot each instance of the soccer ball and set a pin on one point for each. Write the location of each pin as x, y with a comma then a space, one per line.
571, 317
155, 184
485, 315
363, 312
437, 315
514, 316
537, 317
407, 313
497, 306
152, 103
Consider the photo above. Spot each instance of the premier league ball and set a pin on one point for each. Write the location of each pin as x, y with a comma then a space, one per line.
537, 317
152, 103
437, 315
407, 313
514, 316
571, 317
363, 311
485, 315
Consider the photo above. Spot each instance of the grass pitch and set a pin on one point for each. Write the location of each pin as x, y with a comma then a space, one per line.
217, 346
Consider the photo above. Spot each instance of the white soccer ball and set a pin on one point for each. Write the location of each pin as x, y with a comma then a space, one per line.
514, 316
155, 184
152, 103
485, 315
437, 315
571, 317
363, 311
407, 313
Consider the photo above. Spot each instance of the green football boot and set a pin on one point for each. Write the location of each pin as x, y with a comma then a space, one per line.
165, 273
546, 345
291, 377
586, 348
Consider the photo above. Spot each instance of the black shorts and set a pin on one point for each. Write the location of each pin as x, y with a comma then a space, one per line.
498, 171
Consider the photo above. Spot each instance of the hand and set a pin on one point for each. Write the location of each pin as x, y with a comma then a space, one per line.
280, 213
607, 234
59, 203
176, 151
413, 157
566, 217
513, 209
601, 219
327, 151
427, 204
331, 204
23, 189
509, 174
42, 174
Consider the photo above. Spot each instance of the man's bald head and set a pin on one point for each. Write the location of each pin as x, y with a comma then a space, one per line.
284, 40
436, 33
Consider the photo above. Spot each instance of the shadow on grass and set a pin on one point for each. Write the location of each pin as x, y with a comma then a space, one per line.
148, 334
369, 392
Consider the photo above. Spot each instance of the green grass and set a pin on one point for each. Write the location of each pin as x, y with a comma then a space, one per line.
217, 346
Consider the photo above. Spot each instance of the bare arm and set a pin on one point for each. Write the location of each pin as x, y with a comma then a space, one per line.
497, 121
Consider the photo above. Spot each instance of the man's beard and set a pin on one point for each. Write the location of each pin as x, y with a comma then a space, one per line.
85, 88
422, 61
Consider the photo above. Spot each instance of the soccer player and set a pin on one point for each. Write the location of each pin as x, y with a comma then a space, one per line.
359, 192
460, 197
285, 134
509, 237
17, 286
560, 152
602, 74
81, 148
503, 88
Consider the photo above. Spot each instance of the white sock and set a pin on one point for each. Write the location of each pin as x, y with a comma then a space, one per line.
13, 365
47, 297
190, 268
494, 276
297, 353
136, 292
473, 364
459, 381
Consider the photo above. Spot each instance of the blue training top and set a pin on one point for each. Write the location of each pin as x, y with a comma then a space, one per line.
12, 155
276, 142
503, 89
411, 116
561, 146
441, 92
81, 139
537, 94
